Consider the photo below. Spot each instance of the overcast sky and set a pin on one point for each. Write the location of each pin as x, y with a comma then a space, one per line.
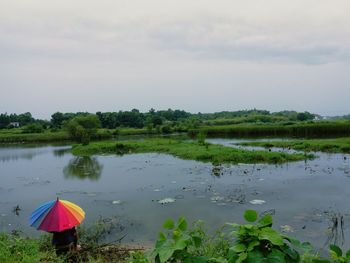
196, 55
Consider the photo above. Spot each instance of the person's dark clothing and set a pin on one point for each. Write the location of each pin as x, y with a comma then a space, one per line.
65, 241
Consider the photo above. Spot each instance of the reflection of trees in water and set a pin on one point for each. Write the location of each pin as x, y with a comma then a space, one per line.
16, 157
83, 167
61, 152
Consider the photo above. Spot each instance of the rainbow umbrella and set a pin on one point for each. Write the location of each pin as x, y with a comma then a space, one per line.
56, 216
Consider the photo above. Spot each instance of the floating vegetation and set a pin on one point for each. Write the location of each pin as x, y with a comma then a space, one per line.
287, 229
339, 145
214, 153
166, 201
257, 202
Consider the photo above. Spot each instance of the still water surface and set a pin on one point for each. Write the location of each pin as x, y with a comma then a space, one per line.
303, 196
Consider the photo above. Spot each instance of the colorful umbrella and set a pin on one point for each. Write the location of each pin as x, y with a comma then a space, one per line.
56, 216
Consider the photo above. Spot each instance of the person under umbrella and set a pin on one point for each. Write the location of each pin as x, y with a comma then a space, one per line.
59, 217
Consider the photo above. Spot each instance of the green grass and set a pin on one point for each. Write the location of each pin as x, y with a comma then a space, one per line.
313, 129
135, 131
15, 248
339, 145
187, 150
17, 135
47, 136
19, 249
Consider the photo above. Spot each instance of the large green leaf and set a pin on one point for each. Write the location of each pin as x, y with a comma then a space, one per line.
272, 236
180, 244
336, 250
197, 240
242, 257
169, 224
348, 255
165, 254
276, 256
182, 224
252, 244
250, 215
265, 221
238, 248
255, 257
195, 259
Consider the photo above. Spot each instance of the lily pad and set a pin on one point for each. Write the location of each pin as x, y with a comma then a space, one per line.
166, 201
257, 202
287, 229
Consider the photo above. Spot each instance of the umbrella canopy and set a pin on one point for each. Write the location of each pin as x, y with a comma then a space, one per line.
56, 216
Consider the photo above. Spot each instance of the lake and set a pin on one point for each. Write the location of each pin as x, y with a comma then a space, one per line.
131, 191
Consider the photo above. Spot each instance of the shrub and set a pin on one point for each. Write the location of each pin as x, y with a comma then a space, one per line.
33, 128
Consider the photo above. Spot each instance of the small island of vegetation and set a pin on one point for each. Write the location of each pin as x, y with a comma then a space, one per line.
338, 145
199, 151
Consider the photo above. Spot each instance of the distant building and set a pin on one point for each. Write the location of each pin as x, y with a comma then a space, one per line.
14, 124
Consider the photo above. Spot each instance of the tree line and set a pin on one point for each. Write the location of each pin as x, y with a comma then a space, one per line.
152, 119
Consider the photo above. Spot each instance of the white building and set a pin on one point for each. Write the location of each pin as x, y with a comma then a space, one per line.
14, 124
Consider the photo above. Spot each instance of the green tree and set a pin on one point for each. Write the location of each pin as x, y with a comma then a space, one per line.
57, 119
33, 128
83, 128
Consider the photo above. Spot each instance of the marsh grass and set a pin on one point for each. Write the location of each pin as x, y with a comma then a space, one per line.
304, 130
14, 136
187, 150
339, 145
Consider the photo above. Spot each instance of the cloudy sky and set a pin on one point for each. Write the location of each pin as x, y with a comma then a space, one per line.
197, 55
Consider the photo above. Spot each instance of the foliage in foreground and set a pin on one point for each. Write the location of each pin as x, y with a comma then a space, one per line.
18, 249
204, 152
255, 242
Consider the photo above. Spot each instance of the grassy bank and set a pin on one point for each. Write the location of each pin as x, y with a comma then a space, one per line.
186, 150
317, 129
17, 135
254, 241
18, 249
339, 145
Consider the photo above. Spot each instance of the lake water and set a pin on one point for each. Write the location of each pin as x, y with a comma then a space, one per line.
303, 196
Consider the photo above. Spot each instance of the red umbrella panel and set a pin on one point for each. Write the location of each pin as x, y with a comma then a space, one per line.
56, 216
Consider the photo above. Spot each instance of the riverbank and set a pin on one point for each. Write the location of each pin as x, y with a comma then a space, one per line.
14, 248
254, 241
320, 129
304, 130
339, 145
216, 154
17, 136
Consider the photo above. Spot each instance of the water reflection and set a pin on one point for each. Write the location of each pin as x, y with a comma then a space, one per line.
16, 157
61, 152
83, 168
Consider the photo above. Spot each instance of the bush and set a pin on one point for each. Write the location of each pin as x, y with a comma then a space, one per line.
255, 242
33, 128
82, 128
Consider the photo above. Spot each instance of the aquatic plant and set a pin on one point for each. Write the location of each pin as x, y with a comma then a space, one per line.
303, 130
339, 145
213, 153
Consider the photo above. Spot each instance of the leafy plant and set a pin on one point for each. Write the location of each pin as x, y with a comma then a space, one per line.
337, 254
177, 244
260, 243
